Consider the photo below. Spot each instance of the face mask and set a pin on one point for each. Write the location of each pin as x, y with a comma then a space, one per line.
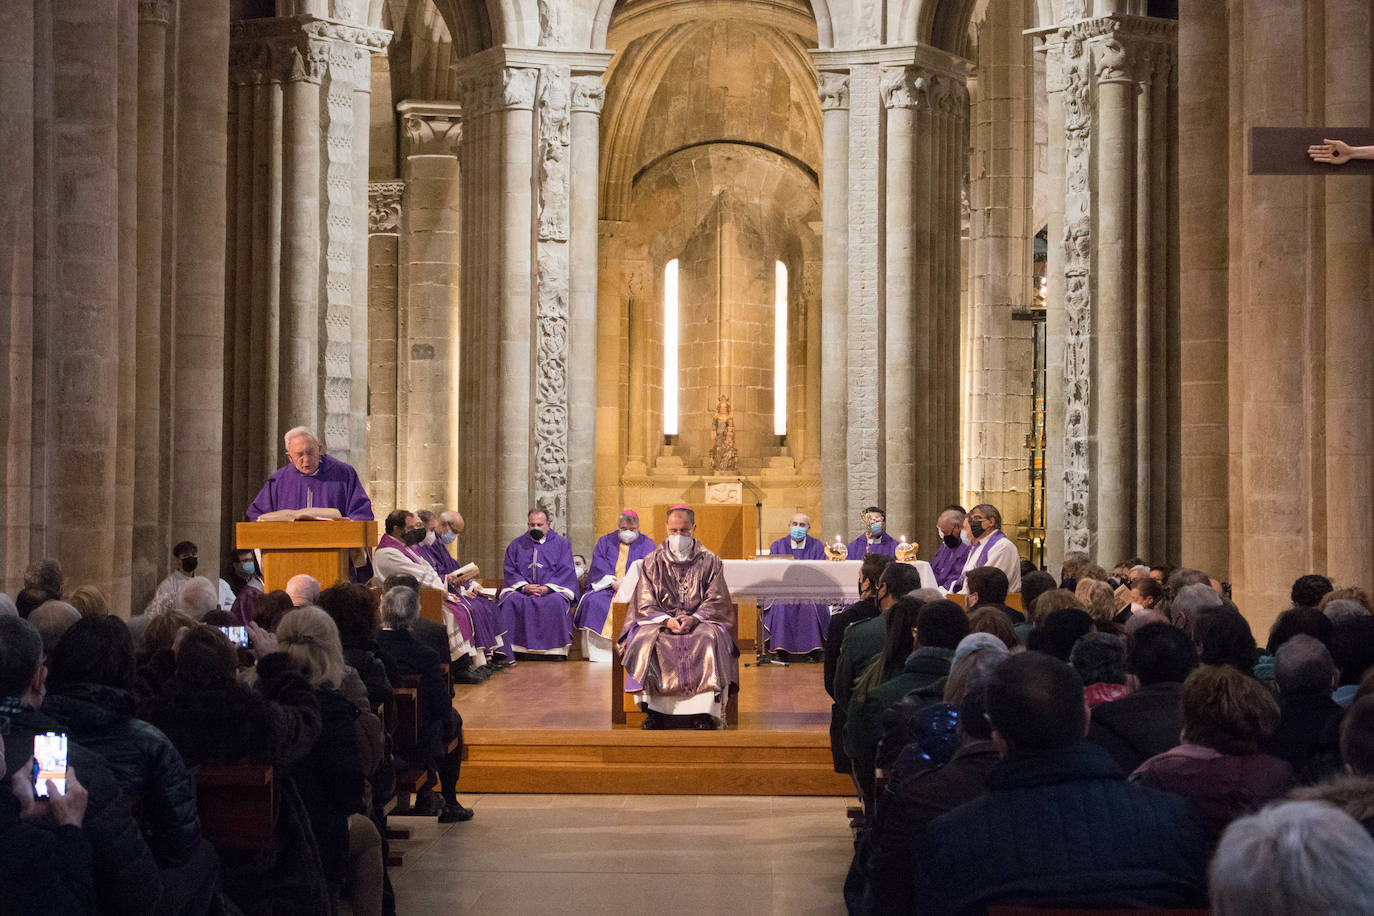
951, 540
536, 535
429, 538
875, 529
249, 567
798, 533
628, 535
976, 527
963, 536
413, 537
680, 544
188, 564
581, 571
448, 537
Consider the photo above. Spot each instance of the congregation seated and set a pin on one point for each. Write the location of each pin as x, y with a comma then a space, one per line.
987, 588
1059, 825
611, 560
1100, 660
1351, 790
1146, 721
90, 692
1308, 733
302, 589
406, 656
870, 571
679, 636
126, 874
540, 589
1219, 767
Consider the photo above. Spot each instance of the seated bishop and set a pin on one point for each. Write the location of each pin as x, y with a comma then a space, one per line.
875, 538
311, 480
611, 560
797, 629
398, 553
437, 549
679, 638
540, 588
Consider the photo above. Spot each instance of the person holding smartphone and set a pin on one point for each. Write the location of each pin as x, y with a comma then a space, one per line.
44, 869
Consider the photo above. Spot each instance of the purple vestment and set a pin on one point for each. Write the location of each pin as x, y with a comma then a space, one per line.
487, 631
462, 620
543, 623
594, 610
334, 485
948, 565
860, 548
797, 628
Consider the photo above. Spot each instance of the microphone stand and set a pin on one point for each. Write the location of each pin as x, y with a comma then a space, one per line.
761, 654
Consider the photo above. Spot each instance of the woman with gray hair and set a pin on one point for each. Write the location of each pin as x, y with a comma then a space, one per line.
1297, 858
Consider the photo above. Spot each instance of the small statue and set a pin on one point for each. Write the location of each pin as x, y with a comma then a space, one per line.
836, 551
723, 454
906, 552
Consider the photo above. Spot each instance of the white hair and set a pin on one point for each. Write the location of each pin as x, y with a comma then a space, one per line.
303, 589
198, 597
1292, 859
296, 432
1343, 609
400, 607
803, 515
1141, 571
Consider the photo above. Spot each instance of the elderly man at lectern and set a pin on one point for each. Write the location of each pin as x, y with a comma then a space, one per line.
311, 480
679, 640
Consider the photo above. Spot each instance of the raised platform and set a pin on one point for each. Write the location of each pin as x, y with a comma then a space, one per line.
544, 727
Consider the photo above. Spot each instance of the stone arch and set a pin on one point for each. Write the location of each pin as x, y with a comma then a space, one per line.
941, 23
606, 10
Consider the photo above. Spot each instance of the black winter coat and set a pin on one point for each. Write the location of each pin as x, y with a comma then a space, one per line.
147, 766
1139, 725
1063, 829
330, 779
43, 870
126, 874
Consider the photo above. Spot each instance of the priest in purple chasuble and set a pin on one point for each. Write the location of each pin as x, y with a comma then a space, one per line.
948, 565
679, 638
311, 479
398, 553
488, 634
797, 628
540, 588
611, 558
875, 538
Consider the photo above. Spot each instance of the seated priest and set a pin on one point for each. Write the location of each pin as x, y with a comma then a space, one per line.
396, 554
875, 538
311, 479
990, 547
436, 549
540, 588
952, 554
796, 629
679, 639
611, 559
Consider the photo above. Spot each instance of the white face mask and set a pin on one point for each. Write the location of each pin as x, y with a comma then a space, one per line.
628, 535
680, 544
963, 536
580, 570
429, 539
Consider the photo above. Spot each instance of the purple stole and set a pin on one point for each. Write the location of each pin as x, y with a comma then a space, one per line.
389, 541
985, 547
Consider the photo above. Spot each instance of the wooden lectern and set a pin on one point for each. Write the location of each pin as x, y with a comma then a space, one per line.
318, 549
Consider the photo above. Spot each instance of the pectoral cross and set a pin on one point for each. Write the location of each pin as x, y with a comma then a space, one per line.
534, 565
1283, 150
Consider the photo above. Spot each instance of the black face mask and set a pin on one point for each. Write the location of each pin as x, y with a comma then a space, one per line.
975, 529
413, 536
188, 564
536, 535
951, 541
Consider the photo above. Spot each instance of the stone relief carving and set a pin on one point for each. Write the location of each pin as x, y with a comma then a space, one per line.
588, 94
518, 85
384, 206
156, 10
833, 89
340, 234
904, 87
1077, 299
431, 134
553, 27
552, 115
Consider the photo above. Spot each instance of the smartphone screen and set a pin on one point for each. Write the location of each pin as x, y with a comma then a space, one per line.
49, 762
237, 635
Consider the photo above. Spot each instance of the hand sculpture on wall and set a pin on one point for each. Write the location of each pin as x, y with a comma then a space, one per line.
1338, 152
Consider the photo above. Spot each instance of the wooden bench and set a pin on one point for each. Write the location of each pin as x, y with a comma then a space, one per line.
238, 805
624, 709
1013, 600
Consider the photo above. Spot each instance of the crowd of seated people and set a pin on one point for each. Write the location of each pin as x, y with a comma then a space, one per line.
309, 699
1104, 745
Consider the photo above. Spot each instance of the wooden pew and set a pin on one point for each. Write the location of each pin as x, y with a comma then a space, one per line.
1013, 600
624, 710
238, 805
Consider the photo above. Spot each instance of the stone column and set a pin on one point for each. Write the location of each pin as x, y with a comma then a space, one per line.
834, 95
1057, 386
588, 95
906, 355
428, 330
384, 217
150, 538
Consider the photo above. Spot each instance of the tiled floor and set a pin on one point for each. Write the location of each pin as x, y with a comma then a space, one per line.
599, 854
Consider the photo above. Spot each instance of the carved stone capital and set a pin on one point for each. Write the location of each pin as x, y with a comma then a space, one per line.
588, 94
904, 87
431, 128
833, 89
499, 89
156, 11
384, 206
517, 87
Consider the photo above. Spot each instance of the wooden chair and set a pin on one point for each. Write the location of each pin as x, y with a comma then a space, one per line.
238, 805
1013, 600
624, 709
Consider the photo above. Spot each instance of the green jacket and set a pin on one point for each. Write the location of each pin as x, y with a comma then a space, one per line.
862, 643
864, 724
